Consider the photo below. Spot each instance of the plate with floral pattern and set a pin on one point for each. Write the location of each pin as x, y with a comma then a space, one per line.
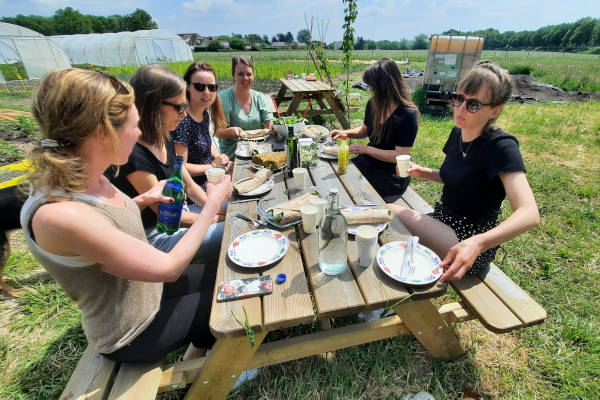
427, 263
258, 248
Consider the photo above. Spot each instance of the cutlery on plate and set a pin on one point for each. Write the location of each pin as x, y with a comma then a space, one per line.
256, 223
408, 261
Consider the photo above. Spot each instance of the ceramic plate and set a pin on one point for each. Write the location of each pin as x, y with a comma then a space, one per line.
244, 153
352, 228
323, 132
258, 166
427, 263
258, 248
264, 188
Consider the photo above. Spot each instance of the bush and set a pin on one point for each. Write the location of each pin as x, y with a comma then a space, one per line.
419, 97
519, 70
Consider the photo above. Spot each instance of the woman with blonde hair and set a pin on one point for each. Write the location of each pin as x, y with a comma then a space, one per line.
482, 166
192, 136
137, 303
390, 123
244, 108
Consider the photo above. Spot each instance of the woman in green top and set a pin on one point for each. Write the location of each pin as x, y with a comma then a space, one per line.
244, 108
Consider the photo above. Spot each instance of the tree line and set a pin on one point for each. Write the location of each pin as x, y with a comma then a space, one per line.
68, 21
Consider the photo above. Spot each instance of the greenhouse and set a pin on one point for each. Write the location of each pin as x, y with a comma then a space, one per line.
124, 48
27, 54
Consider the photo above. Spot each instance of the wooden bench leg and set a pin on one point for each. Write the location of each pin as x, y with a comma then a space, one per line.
226, 361
425, 322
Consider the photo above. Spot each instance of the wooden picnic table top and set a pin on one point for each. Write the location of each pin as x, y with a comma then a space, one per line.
302, 85
308, 294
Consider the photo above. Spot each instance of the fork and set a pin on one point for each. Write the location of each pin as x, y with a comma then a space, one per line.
256, 223
409, 257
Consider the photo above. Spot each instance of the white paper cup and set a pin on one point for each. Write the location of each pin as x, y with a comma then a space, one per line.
310, 214
366, 244
215, 175
299, 177
403, 161
321, 204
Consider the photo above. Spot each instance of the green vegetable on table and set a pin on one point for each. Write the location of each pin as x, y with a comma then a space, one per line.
289, 120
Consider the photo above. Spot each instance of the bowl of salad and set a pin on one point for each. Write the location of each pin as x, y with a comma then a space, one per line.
293, 120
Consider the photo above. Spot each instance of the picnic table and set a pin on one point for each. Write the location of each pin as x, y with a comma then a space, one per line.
291, 303
314, 91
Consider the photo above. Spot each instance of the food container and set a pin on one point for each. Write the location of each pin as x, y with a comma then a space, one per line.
307, 148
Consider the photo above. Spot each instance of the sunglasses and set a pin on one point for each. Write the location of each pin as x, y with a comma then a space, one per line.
119, 87
473, 105
180, 108
201, 86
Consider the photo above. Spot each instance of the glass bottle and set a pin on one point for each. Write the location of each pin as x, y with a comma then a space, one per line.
333, 237
292, 150
343, 154
169, 214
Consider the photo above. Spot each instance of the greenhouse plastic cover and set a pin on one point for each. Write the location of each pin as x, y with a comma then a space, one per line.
38, 54
124, 48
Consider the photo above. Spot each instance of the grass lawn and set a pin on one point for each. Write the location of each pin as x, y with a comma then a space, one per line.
557, 263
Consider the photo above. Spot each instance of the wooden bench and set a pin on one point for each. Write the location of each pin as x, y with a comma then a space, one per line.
496, 301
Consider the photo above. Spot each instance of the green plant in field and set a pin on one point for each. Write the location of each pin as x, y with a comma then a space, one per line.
14, 71
520, 70
9, 153
419, 97
350, 14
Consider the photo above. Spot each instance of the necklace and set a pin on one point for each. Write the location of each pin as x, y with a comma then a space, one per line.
464, 153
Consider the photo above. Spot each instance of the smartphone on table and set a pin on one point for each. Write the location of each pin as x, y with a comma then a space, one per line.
242, 288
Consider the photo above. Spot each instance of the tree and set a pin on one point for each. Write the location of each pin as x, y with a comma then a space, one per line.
420, 42
289, 38
596, 34
404, 44
265, 39
237, 43
371, 45
274, 39
253, 38
280, 37
581, 33
214, 46
139, 20
303, 35
69, 22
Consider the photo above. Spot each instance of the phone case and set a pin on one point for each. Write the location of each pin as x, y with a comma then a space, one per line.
242, 288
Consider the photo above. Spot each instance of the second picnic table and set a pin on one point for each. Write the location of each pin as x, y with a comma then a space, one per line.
309, 295
315, 91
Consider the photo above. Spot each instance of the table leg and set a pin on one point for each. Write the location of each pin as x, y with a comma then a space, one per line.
226, 361
280, 95
425, 322
336, 107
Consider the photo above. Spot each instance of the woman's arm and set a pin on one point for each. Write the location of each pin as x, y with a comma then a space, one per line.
354, 133
152, 196
75, 229
193, 169
192, 189
418, 171
233, 132
525, 216
380, 154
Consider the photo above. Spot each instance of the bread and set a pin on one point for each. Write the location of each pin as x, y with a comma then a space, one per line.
331, 150
312, 131
289, 211
261, 176
270, 160
369, 216
254, 133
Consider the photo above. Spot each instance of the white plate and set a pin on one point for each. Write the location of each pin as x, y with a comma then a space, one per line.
257, 138
352, 228
243, 153
258, 166
264, 188
322, 131
324, 155
258, 248
427, 263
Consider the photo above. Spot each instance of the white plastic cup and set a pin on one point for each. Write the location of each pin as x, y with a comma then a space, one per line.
403, 161
321, 204
310, 214
215, 175
299, 177
366, 244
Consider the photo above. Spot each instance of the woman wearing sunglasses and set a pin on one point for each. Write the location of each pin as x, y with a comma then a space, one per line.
160, 96
245, 108
482, 166
192, 137
137, 303
390, 123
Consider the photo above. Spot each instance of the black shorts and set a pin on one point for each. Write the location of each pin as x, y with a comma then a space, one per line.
464, 228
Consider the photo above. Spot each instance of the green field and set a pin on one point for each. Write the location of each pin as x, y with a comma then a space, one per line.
558, 263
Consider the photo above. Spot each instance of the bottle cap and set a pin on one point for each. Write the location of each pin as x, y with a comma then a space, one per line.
281, 278
333, 190
344, 136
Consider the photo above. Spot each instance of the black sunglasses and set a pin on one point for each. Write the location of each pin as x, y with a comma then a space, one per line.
180, 108
200, 87
119, 87
473, 105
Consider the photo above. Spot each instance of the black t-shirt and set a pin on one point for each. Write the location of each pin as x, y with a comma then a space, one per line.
400, 129
472, 186
142, 159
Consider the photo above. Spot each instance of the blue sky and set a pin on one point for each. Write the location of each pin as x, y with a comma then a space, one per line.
377, 19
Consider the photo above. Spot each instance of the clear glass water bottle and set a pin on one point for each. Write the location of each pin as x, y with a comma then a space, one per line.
333, 237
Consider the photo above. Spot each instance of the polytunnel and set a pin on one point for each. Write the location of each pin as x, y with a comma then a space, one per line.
37, 54
124, 48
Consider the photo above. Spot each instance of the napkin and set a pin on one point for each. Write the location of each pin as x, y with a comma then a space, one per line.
331, 150
254, 133
289, 211
261, 176
368, 216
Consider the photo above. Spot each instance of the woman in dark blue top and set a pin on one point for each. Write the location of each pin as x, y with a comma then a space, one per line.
391, 123
483, 165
